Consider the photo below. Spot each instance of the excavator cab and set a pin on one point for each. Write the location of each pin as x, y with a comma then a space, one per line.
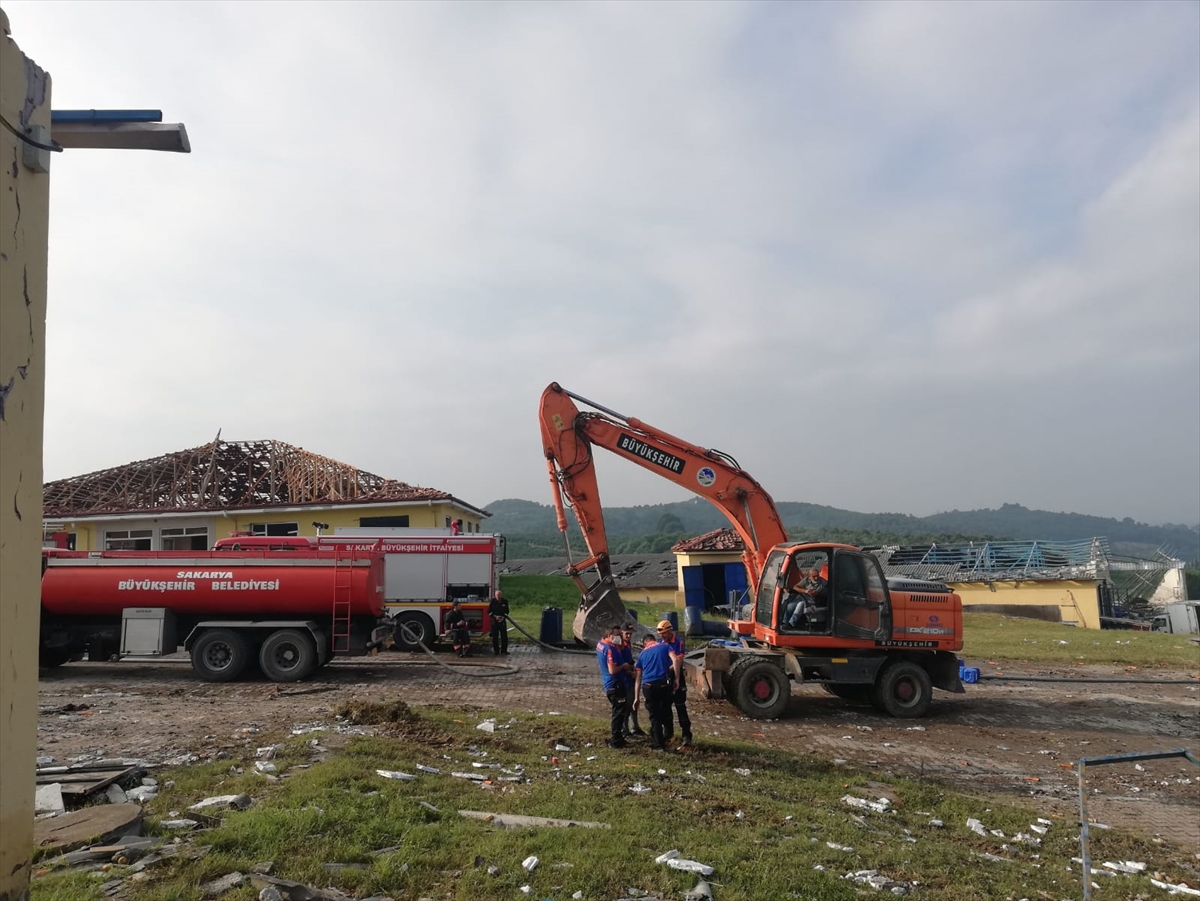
823, 590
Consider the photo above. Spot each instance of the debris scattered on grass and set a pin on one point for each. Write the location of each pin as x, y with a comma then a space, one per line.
517, 821
879, 882
741, 771
638, 789
880, 806
488, 725
529, 864
396, 774
976, 826
222, 885
235, 802
1181, 888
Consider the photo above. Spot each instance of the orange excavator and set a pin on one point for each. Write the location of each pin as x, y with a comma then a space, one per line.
819, 613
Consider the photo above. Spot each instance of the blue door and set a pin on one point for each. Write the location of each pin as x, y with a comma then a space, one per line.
693, 586
735, 580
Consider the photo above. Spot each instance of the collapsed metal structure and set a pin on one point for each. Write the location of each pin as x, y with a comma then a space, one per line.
224, 475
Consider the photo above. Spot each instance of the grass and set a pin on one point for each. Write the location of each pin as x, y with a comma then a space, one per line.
766, 834
991, 636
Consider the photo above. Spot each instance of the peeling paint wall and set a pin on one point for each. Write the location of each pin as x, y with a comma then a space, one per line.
24, 217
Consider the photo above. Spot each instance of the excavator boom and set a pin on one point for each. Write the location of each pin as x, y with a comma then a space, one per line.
568, 438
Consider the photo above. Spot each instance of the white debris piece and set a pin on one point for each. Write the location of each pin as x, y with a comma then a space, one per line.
561, 747
267, 753
116, 794
474, 777
237, 802
577, 896
179, 824
836, 847
938, 824
690, 866
265, 766
529, 864
396, 774
1027, 839
879, 806
741, 771
668, 855
1179, 889
428, 806
142, 793
879, 882
49, 799
1040, 830
428, 769
638, 789
527, 889
488, 725
1126, 866
976, 826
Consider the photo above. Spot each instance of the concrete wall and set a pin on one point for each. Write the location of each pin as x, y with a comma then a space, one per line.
24, 221
1078, 600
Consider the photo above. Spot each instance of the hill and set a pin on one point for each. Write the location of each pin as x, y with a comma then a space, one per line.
532, 523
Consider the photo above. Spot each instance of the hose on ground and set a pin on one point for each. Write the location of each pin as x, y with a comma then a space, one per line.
415, 638
1089, 680
549, 647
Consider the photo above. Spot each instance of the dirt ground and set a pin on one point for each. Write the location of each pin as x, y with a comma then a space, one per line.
1019, 739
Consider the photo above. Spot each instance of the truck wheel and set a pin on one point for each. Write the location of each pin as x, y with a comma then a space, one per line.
50, 658
220, 655
414, 630
761, 689
288, 655
849, 692
903, 690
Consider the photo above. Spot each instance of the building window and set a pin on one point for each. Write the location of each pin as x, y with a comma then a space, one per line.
191, 538
63, 540
274, 528
129, 540
384, 522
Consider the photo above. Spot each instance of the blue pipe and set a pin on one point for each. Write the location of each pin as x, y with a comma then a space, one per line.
105, 116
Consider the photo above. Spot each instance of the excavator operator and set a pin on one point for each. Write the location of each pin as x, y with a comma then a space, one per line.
808, 608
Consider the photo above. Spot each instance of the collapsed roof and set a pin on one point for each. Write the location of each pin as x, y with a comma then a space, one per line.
226, 475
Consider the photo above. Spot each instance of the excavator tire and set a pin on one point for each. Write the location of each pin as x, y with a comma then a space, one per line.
761, 689
849, 692
903, 690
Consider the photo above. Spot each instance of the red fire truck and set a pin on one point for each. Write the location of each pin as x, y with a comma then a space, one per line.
288, 612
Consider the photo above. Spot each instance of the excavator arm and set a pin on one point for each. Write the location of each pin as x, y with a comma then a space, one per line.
568, 438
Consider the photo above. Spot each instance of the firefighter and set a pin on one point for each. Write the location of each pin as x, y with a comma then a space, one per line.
613, 669
460, 632
666, 634
498, 614
632, 727
654, 679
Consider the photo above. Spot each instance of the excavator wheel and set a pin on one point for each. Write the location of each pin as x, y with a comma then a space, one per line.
903, 689
761, 689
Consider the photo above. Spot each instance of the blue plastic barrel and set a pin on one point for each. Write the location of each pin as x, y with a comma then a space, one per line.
552, 626
673, 618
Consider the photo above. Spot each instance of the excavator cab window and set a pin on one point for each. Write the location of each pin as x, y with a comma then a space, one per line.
860, 601
764, 605
804, 599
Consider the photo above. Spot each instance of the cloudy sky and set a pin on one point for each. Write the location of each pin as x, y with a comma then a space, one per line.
891, 256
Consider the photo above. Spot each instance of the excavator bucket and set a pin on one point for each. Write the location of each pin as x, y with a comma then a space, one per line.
600, 610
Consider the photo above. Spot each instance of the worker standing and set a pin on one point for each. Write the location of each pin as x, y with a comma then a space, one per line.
654, 679
613, 668
498, 615
675, 642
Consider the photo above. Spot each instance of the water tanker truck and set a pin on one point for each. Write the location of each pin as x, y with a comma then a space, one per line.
286, 613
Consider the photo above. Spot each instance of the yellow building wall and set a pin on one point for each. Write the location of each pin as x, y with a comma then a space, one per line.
649, 595
1078, 600
90, 534
24, 229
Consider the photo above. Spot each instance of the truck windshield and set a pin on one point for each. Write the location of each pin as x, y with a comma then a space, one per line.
766, 588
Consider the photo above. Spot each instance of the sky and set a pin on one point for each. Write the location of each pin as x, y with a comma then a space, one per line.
892, 257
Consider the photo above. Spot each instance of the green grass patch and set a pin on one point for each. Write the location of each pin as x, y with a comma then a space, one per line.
991, 636
779, 832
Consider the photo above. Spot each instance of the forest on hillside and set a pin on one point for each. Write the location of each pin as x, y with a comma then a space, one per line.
650, 529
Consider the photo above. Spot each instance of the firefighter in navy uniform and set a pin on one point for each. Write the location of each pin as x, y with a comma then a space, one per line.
498, 614
667, 635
